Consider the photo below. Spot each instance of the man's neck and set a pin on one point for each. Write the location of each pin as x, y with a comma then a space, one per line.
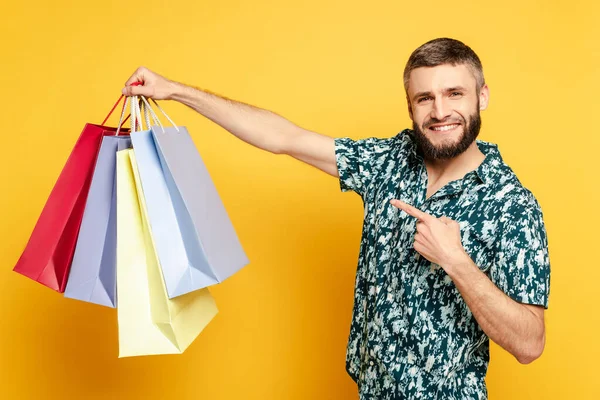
440, 172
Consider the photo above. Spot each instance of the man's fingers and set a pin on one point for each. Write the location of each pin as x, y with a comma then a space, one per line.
448, 221
421, 227
420, 248
138, 76
419, 237
412, 211
134, 78
137, 91
128, 91
139, 84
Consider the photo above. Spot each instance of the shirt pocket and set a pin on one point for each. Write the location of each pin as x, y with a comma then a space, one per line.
480, 247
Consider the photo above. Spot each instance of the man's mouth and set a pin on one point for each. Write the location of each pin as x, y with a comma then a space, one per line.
444, 128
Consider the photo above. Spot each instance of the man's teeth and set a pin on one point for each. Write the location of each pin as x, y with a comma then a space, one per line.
444, 128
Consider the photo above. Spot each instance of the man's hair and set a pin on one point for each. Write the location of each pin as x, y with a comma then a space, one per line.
444, 51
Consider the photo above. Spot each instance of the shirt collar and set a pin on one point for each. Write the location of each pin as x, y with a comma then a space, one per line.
492, 163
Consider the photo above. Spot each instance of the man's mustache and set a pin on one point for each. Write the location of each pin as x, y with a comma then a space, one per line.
434, 121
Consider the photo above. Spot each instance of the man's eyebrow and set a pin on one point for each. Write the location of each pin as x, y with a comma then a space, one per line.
455, 88
421, 94
450, 89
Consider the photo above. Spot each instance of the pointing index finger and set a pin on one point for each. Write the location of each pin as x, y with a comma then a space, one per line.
412, 211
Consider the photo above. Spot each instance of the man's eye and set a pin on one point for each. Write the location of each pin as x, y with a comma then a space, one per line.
422, 99
456, 94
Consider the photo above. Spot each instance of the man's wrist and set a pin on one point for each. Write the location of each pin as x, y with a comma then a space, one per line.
175, 91
457, 261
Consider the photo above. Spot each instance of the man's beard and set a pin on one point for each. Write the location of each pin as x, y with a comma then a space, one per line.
448, 151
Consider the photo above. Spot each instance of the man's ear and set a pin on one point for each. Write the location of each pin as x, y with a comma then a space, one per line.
484, 97
410, 113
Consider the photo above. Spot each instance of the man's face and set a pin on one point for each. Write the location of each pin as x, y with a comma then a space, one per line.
444, 106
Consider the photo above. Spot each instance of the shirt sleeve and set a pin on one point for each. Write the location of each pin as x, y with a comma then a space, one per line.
522, 267
358, 161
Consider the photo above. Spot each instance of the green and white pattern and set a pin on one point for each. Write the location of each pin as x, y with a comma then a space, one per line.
412, 335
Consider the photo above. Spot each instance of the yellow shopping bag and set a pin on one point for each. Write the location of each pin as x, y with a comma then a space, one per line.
149, 322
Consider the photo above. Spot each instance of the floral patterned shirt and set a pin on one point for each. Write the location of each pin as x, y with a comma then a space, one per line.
412, 335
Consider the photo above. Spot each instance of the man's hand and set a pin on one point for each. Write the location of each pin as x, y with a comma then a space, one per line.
437, 239
153, 85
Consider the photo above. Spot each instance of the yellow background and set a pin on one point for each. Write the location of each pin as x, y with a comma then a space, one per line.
331, 66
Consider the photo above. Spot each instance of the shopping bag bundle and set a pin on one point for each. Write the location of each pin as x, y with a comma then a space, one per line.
135, 222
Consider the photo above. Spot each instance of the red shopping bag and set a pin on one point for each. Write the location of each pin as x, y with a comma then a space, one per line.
47, 256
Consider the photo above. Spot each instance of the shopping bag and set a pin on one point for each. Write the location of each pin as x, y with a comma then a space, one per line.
47, 256
92, 277
213, 250
149, 322
183, 268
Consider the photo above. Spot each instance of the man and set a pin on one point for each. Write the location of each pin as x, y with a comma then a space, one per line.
465, 262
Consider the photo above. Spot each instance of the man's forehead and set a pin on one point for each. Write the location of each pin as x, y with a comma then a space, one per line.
441, 77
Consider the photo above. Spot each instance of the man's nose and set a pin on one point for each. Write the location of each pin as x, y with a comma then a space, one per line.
441, 109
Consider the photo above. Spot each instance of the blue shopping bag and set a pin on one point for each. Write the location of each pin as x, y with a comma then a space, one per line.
93, 270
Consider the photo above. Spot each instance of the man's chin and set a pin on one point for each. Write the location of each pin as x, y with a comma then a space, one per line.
441, 148
440, 141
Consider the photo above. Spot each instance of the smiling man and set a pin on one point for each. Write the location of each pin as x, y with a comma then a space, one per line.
454, 249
